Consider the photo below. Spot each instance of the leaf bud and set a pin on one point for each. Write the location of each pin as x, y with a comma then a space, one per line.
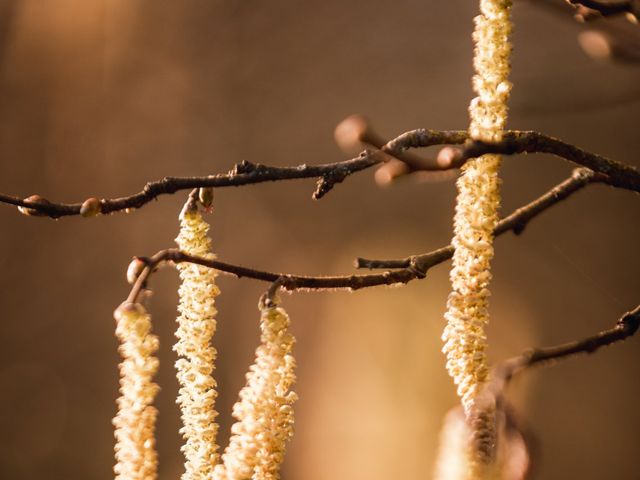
134, 270
205, 195
91, 207
32, 212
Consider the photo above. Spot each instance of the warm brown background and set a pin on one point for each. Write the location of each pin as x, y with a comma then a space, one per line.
97, 96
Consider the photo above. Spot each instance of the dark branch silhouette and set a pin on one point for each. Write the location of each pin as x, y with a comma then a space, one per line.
515, 222
399, 271
608, 9
626, 326
328, 175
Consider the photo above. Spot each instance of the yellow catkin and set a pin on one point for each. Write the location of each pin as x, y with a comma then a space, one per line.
136, 457
477, 208
196, 326
264, 411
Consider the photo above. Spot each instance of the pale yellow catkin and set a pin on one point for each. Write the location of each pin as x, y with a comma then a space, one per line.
196, 327
477, 207
136, 457
264, 411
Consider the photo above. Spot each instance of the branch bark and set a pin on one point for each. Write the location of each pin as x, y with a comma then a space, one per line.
614, 173
515, 222
398, 271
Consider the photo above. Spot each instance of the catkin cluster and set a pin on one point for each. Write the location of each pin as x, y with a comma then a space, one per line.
264, 411
477, 207
136, 457
196, 326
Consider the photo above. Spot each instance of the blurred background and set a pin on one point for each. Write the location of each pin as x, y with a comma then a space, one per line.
97, 97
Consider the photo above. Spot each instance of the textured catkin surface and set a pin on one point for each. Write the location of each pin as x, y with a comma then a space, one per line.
264, 410
136, 457
196, 327
476, 214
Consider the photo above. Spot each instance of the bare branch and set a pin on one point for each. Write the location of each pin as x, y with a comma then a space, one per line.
286, 281
515, 222
614, 173
494, 390
626, 326
398, 271
245, 173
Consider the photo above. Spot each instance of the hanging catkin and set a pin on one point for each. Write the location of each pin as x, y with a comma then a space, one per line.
196, 326
476, 216
264, 411
136, 457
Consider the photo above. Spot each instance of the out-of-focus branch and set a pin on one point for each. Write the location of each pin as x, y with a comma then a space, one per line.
355, 132
586, 8
515, 222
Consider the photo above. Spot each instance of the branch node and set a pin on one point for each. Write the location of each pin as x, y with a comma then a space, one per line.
418, 267
271, 299
36, 201
243, 167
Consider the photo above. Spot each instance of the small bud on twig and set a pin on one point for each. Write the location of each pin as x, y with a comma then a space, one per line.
32, 212
134, 270
91, 207
351, 132
205, 195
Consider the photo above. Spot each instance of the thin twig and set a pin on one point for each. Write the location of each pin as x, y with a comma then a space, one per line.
626, 326
493, 392
614, 173
515, 222
398, 271
245, 173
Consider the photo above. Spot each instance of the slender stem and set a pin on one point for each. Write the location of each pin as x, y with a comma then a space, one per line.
399, 271
626, 326
515, 222
613, 173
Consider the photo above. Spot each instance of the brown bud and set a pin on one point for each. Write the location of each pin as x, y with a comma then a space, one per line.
32, 212
389, 171
449, 157
205, 195
596, 44
91, 207
350, 132
134, 270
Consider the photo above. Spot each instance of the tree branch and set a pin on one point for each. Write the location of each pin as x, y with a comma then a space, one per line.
626, 326
516, 222
243, 173
614, 173
399, 271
